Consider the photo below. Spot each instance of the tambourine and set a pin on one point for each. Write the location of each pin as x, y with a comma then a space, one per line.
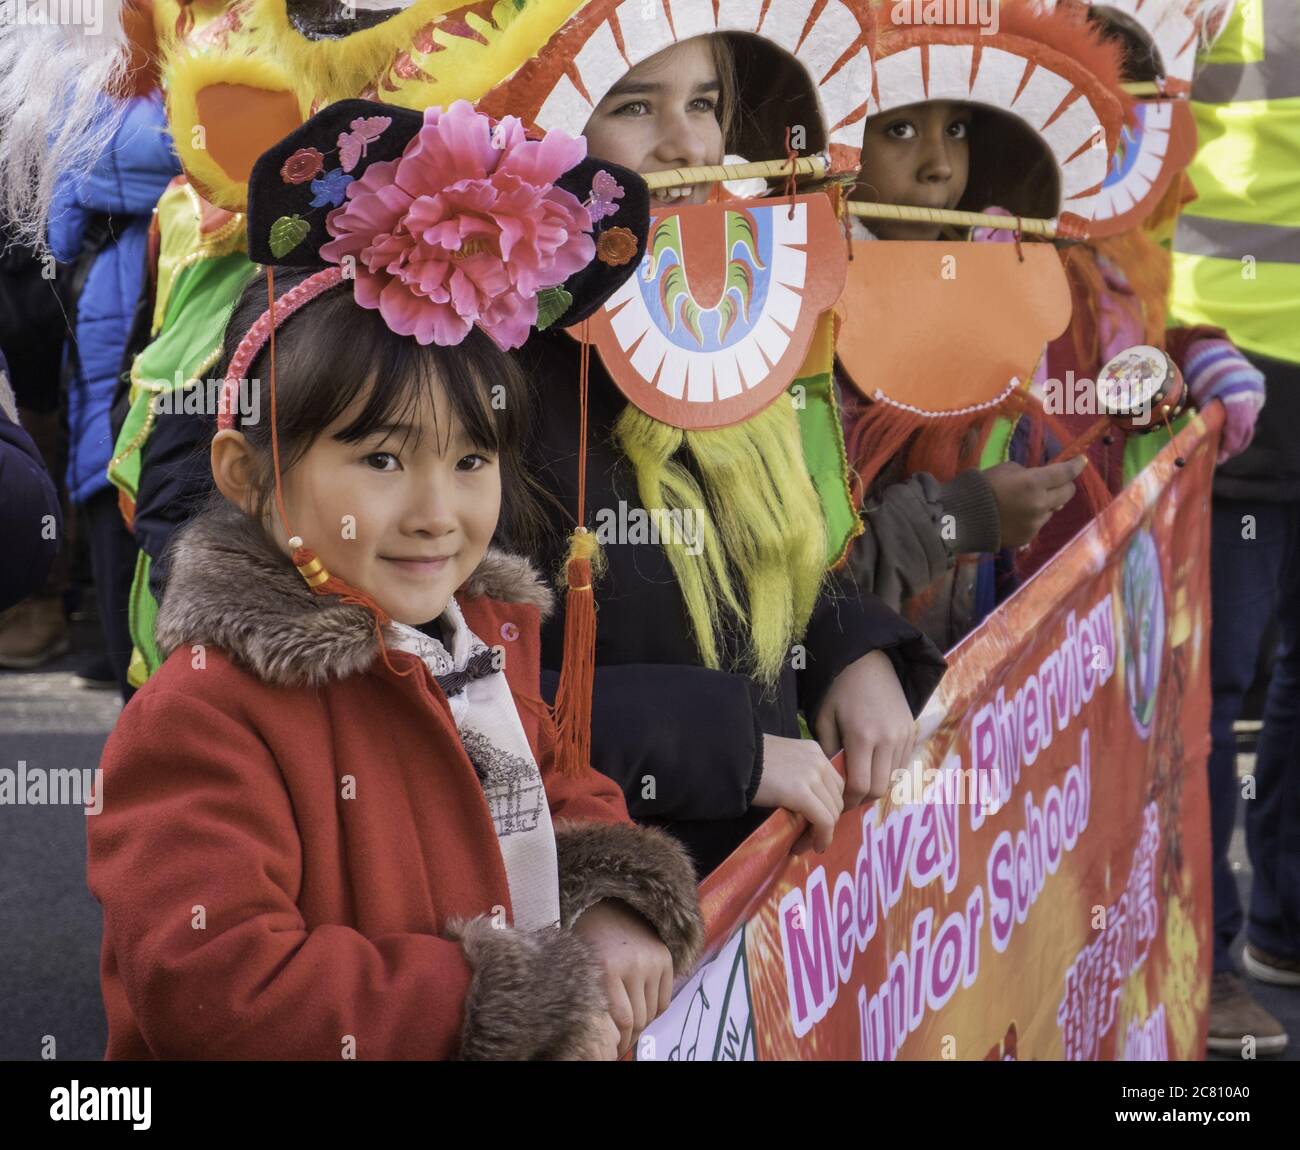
1140, 389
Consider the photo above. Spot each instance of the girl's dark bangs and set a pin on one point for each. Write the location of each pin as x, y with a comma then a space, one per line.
402, 374
332, 352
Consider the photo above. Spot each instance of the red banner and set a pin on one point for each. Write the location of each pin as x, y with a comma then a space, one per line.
1037, 886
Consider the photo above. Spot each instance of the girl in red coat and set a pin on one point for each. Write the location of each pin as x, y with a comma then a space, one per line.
332, 825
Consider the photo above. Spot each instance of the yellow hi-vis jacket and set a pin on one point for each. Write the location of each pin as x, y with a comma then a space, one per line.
1236, 260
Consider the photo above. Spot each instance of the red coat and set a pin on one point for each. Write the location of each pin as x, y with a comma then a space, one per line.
291, 829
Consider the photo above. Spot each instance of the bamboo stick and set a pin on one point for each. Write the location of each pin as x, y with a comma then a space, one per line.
817, 166
1026, 226
712, 173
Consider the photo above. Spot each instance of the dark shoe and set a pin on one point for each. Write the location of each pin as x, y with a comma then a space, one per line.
1270, 968
33, 633
97, 673
1235, 1016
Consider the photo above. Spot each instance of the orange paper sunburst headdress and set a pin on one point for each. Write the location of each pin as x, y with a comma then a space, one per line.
1160, 40
944, 336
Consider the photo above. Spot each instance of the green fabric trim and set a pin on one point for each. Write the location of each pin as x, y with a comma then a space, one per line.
1139, 450
822, 435
204, 295
177, 217
998, 445
142, 614
124, 467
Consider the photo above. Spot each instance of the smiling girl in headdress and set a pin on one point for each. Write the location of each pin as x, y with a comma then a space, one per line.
332, 825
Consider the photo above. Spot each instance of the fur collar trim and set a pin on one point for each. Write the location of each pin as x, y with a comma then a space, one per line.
230, 588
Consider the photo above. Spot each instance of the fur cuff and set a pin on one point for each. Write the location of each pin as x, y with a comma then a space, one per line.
641, 866
534, 995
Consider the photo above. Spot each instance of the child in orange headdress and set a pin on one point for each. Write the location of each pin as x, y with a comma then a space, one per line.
958, 124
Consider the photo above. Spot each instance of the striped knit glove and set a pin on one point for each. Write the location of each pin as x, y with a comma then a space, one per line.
1215, 369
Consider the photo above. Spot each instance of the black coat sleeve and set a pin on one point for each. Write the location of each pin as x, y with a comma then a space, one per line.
847, 624
683, 742
175, 483
29, 496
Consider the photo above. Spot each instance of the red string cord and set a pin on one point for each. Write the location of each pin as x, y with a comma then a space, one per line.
333, 586
584, 362
275, 438
790, 187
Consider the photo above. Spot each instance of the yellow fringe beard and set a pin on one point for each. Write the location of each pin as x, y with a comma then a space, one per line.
762, 558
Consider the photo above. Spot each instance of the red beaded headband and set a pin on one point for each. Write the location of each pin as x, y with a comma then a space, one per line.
251, 345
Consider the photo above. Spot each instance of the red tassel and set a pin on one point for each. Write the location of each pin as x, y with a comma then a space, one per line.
578, 672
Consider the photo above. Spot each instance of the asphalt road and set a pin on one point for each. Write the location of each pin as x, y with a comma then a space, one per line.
49, 923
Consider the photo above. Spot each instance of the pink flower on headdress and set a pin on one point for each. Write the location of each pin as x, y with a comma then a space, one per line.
464, 228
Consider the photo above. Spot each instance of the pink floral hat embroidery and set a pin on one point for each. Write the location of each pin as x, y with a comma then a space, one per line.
449, 219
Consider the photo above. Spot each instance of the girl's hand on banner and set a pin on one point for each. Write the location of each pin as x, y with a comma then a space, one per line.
1216, 369
1029, 496
798, 777
866, 713
638, 967
1239, 425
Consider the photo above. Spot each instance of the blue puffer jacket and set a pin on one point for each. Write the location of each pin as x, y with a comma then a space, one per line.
124, 185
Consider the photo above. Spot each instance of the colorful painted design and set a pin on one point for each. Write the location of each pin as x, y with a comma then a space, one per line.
1153, 149
1144, 628
676, 300
716, 322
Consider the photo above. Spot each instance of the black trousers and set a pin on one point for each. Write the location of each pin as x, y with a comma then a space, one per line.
112, 562
1255, 581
